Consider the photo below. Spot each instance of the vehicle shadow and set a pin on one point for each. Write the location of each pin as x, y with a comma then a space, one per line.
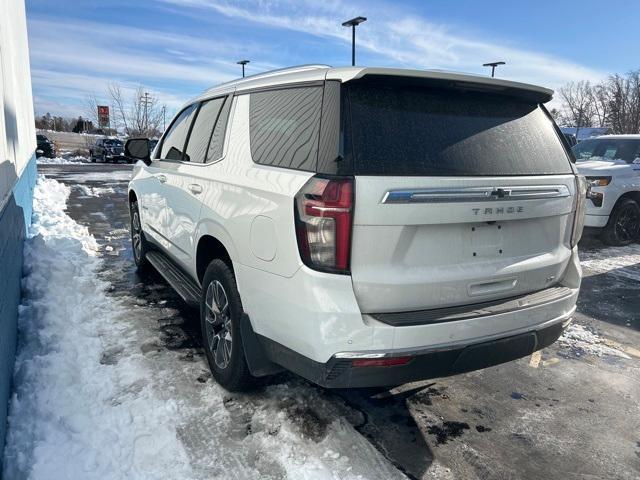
612, 298
390, 426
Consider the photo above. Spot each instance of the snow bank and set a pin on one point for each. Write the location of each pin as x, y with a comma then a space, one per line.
74, 415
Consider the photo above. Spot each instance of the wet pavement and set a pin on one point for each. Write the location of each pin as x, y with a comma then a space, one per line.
572, 411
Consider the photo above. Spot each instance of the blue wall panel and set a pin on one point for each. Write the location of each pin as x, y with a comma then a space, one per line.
14, 221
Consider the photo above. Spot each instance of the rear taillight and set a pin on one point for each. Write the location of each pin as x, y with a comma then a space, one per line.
581, 203
323, 213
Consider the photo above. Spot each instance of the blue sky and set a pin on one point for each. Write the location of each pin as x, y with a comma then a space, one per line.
178, 48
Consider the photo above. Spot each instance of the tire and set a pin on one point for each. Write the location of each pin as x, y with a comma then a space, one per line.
138, 241
623, 226
220, 325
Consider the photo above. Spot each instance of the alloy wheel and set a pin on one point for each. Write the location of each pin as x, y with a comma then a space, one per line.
137, 236
218, 324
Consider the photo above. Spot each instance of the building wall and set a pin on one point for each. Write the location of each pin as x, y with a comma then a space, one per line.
17, 179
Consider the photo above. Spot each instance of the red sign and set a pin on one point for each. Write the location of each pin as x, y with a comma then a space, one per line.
103, 115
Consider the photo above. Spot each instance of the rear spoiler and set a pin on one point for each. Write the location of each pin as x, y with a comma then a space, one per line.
444, 80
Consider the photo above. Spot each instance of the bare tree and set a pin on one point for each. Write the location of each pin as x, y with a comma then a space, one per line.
120, 108
601, 104
91, 108
577, 103
140, 114
624, 102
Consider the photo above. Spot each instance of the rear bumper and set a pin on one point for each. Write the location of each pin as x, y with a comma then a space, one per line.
442, 361
317, 315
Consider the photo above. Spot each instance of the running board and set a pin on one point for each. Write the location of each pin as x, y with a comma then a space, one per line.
173, 274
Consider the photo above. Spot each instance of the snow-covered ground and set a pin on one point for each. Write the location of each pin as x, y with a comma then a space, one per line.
584, 341
64, 158
91, 403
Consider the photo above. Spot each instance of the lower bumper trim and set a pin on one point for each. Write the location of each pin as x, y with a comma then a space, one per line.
341, 372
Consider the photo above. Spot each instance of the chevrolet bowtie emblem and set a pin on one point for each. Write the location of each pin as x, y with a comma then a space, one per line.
500, 193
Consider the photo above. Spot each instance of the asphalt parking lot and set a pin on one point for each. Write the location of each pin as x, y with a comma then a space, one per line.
571, 411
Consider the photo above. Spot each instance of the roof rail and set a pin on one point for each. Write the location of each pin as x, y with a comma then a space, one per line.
270, 73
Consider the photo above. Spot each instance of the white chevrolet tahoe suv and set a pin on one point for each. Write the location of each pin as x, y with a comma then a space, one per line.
611, 165
363, 226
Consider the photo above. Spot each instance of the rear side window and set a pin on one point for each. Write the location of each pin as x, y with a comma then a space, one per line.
174, 141
284, 126
202, 129
217, 138
433, 132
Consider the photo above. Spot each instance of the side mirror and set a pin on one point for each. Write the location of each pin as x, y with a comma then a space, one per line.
138, 149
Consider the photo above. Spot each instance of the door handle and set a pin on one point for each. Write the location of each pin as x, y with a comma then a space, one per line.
195, 188
161, 178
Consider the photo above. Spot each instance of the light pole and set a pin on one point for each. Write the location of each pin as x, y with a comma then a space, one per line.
353, 23
164, 117
243, 63
493, 66
146, 101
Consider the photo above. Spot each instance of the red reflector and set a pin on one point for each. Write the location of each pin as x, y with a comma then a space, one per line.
380, 362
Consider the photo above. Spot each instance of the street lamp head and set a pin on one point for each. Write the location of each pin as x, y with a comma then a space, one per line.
493, 64
242, 62
354, 21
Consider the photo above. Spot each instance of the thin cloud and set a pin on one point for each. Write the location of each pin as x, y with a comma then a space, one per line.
394, 37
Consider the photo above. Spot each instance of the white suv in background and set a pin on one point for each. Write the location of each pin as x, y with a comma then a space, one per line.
611, 164
363, 226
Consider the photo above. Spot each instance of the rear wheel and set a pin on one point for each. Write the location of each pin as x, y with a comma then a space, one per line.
623, 226
220, 313
138, 242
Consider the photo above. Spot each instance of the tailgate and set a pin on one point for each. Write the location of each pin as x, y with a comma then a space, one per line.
421, 243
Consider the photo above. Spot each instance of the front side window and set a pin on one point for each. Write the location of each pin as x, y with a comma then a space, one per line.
175, 139
284, 126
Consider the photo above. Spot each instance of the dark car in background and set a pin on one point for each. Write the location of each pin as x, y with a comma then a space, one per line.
45, 148
107, 150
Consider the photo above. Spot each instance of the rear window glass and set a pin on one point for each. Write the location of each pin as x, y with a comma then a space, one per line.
284, 126
431, 132
608, 149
